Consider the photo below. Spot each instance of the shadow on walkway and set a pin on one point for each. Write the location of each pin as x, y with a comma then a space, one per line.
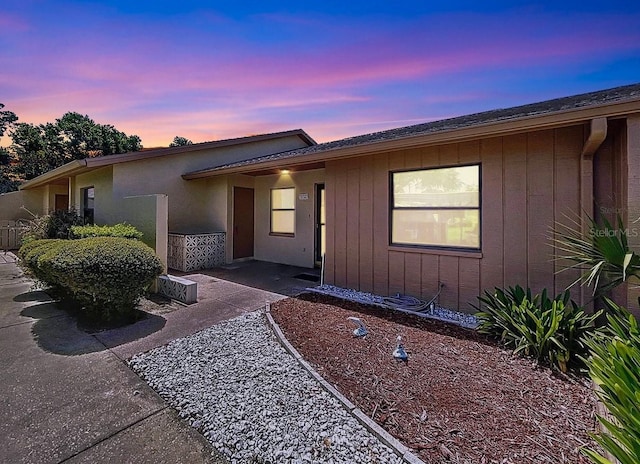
34, 295
55, 331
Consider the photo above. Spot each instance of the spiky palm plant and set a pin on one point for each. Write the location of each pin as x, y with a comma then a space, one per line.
603, 257
606, 261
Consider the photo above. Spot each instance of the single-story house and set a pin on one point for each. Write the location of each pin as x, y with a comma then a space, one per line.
469, 202
146, 189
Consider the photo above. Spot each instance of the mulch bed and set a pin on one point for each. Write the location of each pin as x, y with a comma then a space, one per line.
460, 398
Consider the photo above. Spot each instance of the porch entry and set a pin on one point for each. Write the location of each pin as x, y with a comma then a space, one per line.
320, 223
61, 202
242, 222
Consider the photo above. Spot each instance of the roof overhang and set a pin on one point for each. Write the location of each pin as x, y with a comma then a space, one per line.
461, 134
270, 171
70, 169
79, 166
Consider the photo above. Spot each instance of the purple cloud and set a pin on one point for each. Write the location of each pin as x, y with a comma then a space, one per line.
207, 76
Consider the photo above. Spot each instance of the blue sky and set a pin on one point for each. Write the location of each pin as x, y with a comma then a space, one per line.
214, 70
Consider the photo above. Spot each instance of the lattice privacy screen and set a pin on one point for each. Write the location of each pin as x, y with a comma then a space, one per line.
196, 252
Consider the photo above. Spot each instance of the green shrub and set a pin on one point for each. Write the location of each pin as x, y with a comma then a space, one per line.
607, 261
35, 229
603, 256
56, 224
30, 254
123, 230
105, 275
32, 245
553, 331
614, 366
61, 222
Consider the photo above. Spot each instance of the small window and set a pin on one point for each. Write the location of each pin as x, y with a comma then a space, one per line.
436, 207
283, 211
88, 200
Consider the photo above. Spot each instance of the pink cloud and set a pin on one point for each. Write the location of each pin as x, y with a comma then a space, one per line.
159, 79
382, 59
152, 66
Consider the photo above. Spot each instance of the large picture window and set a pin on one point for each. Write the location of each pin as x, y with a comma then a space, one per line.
436, 207
283, 211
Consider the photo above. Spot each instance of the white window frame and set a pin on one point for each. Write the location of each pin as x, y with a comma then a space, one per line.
272, 209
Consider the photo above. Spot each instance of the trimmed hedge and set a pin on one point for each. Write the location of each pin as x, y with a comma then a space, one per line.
122, 229
30, 254
106, 275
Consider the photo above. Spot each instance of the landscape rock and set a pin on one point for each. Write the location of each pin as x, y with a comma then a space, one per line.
251, 399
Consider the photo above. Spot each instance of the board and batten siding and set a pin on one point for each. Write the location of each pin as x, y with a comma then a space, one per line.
529, 182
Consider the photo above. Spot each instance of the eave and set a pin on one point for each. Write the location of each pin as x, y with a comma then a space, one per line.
476, 131
70, 169
79, 166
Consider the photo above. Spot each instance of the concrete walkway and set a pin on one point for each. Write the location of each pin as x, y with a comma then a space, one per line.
282, 279
67, 395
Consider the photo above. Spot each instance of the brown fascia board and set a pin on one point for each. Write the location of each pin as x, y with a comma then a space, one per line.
76, 166
481, 130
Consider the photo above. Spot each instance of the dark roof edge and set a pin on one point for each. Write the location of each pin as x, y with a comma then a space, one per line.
528, 116
109, 160
136, 155
65, 169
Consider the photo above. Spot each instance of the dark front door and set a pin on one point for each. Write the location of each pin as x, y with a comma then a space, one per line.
61, 202
320, 222
242, 222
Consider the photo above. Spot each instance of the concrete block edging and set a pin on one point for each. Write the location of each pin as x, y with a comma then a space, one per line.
178, 288
384, 436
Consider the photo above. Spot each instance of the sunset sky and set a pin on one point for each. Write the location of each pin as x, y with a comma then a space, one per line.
209, 70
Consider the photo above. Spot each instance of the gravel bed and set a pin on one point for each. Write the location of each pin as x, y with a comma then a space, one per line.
250, 398
434, 312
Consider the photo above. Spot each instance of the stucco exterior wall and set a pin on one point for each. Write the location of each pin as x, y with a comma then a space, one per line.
11, 204
217, 205
190, 202
529, 182
106, 207
297, 250
148, 214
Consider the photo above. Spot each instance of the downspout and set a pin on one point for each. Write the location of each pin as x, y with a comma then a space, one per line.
597, 134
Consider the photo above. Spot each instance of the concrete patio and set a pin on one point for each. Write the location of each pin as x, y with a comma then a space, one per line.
272, 277
70, 397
